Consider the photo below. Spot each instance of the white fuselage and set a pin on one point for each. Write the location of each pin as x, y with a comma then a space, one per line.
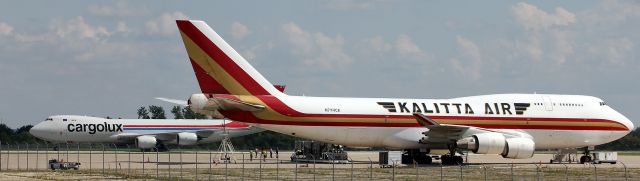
84, 129
552, 121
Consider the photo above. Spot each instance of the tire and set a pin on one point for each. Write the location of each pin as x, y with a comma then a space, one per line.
444, 159
583, 159
458, 160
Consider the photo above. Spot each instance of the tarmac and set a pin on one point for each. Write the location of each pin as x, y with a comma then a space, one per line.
114, 165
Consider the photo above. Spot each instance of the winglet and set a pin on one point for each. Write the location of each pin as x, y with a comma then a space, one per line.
424, 120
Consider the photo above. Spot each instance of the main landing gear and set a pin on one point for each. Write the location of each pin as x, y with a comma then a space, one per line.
587, 156
451, 158
411, 155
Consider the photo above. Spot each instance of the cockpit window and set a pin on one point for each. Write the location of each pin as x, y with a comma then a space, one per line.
49, 119
603, 103
64, 119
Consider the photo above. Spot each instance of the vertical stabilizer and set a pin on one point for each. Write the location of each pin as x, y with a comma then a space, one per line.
218, 67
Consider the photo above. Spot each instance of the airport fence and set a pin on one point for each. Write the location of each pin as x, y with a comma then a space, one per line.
110, 161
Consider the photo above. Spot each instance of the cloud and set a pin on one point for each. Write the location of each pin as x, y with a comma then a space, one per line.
122, 27
377, 44
406, 48
239, 31
547, 36
469, 61
120, 9
614, 51
317, 49
351, 5
531, 17
165, 24
78, 28
252, 52
5, 29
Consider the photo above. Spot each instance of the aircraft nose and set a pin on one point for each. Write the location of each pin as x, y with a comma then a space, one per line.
628, 123
37, 131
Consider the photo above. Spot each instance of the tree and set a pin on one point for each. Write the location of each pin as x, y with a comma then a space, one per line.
22, 135
6, 134
157, 112
189, 114
19, 136
629, 142
143, 113
177, 112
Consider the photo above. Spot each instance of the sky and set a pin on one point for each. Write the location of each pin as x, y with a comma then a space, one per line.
108, 58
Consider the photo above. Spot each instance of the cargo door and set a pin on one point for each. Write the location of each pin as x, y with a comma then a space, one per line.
548, 105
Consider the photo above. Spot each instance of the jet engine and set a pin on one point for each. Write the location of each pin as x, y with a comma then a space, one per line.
199, 103
146, 142
519, 148
187, 138
487, 143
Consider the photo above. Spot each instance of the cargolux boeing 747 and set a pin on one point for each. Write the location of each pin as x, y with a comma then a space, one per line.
145, 133
511, 125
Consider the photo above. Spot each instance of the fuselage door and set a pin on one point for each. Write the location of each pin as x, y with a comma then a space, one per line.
548, 105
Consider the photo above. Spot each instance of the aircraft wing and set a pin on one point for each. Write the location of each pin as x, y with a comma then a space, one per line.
448, 133
167, 136
440, 133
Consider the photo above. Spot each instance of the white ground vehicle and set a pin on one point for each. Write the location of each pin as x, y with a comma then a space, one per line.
61, 165
604, 157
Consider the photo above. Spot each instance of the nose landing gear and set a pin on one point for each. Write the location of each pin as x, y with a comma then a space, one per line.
451, 158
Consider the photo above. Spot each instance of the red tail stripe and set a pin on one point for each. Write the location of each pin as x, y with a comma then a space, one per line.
221, 58
208, 85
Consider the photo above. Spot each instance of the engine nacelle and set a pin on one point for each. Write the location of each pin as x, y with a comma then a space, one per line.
146, 142
187, 139
519, 148
197, 102
487, 143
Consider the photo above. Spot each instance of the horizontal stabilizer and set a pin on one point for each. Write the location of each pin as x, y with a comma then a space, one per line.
174, 101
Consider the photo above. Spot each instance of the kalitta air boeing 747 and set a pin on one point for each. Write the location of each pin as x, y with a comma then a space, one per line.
511, 125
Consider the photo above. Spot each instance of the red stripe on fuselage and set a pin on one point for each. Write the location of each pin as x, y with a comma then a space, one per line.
239, 116
229, 125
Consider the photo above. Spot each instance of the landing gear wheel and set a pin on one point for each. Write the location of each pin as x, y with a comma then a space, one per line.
458, 160
427, 160
424, 159
445, 159
451, 160
585, 159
